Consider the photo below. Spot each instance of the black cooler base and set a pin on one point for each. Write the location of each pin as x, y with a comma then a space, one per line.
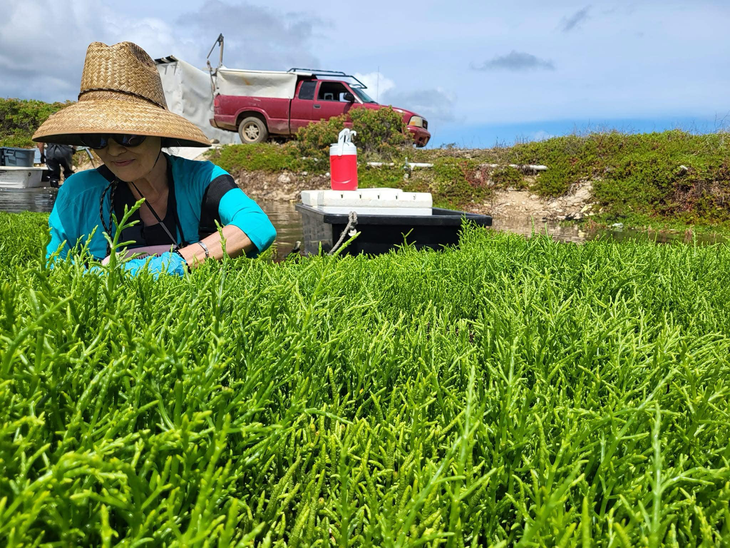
381, 233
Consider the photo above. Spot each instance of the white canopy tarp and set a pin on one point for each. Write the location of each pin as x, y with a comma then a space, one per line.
256, 83
189, 93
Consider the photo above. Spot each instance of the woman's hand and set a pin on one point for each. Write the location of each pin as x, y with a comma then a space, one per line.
143, 252
236, 243
190, 256
168, 263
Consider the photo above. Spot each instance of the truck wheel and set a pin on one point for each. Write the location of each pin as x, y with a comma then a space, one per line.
253, 130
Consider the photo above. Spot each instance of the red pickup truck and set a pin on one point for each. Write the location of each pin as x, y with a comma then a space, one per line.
261, 104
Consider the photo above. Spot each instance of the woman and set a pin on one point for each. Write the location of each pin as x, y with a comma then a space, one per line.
123, 116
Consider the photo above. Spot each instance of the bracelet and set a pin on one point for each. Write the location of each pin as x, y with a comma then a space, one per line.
205, 248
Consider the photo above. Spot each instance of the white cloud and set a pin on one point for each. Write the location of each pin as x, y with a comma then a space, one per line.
436, 105
377, 84
43, 42
256, 37
33, 57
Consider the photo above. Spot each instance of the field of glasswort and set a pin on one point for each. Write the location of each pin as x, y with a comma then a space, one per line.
510, 392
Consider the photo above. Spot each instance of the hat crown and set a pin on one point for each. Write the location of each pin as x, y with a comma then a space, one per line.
123, 68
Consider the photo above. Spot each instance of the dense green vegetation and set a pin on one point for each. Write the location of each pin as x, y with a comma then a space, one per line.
511, 392
381, 134
673, 176
19, 118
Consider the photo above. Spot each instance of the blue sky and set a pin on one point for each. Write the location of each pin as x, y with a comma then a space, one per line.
480, 72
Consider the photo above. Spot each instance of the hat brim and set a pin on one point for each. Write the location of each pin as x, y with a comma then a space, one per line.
126, 117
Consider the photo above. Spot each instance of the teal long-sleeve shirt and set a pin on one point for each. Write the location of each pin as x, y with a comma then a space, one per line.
199, 186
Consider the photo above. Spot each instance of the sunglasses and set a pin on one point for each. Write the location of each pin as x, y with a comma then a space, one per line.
97, 141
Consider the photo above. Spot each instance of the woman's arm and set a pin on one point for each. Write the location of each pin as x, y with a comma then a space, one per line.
246, 229
236, 243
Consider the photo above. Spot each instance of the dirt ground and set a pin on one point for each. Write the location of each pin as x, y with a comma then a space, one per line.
503, 204
522, 203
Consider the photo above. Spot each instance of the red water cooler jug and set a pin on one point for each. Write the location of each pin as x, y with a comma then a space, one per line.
343, 162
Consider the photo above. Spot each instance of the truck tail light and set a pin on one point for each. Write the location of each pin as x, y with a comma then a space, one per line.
216, 103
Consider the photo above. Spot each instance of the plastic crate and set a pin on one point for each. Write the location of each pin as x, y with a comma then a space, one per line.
381, 233
17, 157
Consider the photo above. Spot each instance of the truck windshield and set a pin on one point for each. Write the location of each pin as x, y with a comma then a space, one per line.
362, 95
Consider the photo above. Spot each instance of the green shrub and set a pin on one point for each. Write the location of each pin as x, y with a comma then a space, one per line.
315, 139
19, 119
508, 177
456, 182
638, 173
380, 177
267, 157
380, 133
672, 175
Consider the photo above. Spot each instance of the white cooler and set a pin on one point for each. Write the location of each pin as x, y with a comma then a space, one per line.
369, 201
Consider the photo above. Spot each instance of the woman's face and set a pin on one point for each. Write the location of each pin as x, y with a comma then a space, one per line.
133, 163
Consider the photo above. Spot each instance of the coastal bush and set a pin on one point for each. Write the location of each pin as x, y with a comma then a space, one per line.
456, 183
268, 157
669, 179
314, 140
380, 176
506, 392
381, 134
674, 174
508, 177
20, 118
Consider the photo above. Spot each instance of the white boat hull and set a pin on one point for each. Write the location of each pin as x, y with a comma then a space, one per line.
21, 177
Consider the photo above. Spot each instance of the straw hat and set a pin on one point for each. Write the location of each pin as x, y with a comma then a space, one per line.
121, 92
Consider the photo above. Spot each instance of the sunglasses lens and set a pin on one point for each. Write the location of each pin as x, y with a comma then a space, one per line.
130, 140
95, 141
